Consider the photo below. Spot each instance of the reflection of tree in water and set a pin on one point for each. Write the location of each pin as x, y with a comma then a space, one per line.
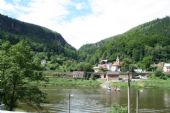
152, 99
89, 100
100, 100
167, 98
55, 96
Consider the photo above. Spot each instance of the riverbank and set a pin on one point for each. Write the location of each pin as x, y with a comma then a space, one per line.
153, 83
71, 83
81, 83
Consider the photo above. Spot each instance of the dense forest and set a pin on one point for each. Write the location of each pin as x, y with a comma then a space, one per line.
142, 45
46, 44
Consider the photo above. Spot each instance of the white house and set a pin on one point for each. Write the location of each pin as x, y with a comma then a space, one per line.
115, 67
166, 67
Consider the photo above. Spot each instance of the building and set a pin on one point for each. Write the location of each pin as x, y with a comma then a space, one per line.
111, 70
78, 74
166, 68
116, 65
112, 76
105, 65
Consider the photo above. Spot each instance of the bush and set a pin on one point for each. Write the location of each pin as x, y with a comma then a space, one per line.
160, 74
119, 109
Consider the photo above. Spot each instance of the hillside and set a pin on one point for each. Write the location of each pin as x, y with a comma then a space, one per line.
151, 39
41, 39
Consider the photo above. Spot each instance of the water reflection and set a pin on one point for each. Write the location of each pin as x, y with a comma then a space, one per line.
100, 100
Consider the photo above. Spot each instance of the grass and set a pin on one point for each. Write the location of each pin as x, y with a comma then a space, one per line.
118, 109
157, 83
69, 82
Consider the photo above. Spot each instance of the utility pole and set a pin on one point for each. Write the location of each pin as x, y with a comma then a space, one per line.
128, 92
137, 102
69, 103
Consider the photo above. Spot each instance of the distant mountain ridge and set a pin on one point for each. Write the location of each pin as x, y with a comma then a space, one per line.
149, 39
41, 38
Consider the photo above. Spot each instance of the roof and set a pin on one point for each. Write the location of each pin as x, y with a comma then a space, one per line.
117, 63
112, 73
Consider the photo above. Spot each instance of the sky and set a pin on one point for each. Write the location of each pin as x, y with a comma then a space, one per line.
86, 21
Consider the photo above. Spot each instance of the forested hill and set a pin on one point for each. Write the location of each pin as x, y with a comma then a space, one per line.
149, 41
41, 39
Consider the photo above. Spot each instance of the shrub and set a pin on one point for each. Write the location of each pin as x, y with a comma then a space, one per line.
160, 74
118, 109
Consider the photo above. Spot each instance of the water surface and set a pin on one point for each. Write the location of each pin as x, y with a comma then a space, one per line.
151, 100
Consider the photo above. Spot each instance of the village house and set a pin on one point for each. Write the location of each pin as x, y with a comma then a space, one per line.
116, 65
112, 76
102, 65
112, 70
166, 68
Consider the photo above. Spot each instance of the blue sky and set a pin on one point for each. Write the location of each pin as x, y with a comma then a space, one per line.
78, 8
86, 21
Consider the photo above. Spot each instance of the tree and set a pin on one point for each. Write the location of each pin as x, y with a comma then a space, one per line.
127, 64
17, 74
83, 66
147, 60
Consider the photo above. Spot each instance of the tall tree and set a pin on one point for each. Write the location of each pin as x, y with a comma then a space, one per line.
18, 73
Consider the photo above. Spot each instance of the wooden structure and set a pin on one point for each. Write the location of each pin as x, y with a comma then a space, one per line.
112, 76
78, 74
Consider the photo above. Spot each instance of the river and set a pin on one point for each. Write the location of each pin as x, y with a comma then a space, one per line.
151, 100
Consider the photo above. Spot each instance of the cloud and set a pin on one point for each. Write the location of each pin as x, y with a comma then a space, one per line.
5, 6
100, 20
112, 17
79, 6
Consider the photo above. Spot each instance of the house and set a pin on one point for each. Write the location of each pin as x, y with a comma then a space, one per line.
166, 68
111, 70
105, 65
116, 65
112, 76
78, 74
102, 65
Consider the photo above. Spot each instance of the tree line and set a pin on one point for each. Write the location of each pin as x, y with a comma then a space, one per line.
143, 45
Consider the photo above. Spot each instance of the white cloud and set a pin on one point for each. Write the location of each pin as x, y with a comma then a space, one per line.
45, 12
108, 17
79, 6
112, 17
5, 6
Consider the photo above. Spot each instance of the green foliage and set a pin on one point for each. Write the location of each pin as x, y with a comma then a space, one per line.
119, 109
83, 66
160, 74
77, 83
147, 61
127, 64
17, 71
144, 44
45, 43
151, 83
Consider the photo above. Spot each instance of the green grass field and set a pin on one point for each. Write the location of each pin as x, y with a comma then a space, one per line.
158, 83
